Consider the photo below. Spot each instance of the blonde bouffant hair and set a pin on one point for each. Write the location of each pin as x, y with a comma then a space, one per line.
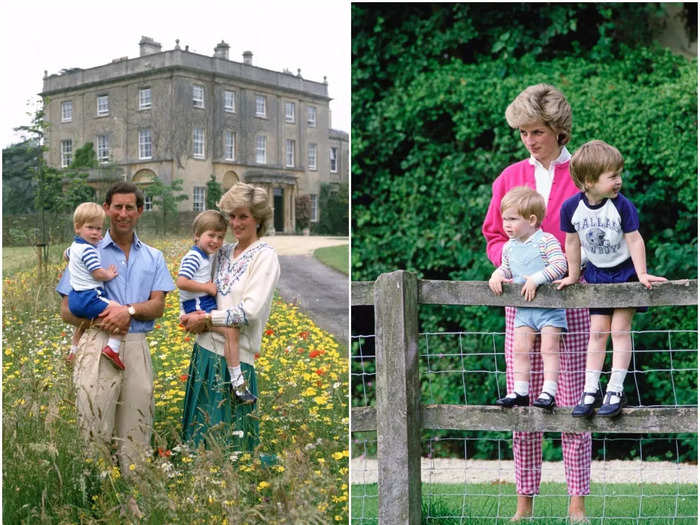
542, 102
526, 201
242, 195
593, 159
88, 212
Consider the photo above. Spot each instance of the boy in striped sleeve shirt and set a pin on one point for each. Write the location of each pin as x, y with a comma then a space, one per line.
198, 292
87, 298
531, 257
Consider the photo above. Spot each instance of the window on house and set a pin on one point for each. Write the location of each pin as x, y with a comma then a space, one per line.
198, 143
66, 152
260, 106
289, 111
229, 145
147, 203
229, 102
261, 149
102, 105
334, 160
145, 144
102, 149
314, 207
198, 96
144, 98
198, 198
289, 147
313, 153
311, 116
67, 111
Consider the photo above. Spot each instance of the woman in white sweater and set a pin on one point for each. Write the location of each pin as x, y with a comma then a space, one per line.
246, 274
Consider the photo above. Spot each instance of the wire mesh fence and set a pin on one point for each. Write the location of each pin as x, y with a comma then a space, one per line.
468, 476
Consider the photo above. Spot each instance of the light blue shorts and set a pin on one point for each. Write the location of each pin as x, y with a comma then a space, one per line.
538, 318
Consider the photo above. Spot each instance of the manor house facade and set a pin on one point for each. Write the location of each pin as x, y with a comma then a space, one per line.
180, 115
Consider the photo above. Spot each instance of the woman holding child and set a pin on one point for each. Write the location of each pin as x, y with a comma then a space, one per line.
543, 116
245, 274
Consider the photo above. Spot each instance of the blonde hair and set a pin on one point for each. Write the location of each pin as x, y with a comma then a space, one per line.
88, 212
593, 159
526, 201
242, 195
542, 102
209, 220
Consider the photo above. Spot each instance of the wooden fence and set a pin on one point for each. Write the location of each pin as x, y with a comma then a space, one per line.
399, 416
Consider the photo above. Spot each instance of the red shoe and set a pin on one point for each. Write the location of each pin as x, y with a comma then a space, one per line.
70, 357
113, 357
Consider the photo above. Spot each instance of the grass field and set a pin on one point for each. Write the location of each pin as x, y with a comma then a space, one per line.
494, 503
50, 477
334, 256
16, 258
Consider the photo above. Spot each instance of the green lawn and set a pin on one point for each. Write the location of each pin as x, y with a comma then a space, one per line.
15, 258
494, 503
334, 256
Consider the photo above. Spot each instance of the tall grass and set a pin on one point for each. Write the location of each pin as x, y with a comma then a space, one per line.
50, 476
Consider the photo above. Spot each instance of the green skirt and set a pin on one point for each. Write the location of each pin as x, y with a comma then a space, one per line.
211, 413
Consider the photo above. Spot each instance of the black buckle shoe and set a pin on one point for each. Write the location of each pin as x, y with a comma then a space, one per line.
544, 400
587, 409
243, 395
510, 401
609, 409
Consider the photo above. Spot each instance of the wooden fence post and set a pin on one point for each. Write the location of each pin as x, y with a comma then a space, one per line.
398, 398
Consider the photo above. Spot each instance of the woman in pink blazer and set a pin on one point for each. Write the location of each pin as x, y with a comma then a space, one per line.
543, 116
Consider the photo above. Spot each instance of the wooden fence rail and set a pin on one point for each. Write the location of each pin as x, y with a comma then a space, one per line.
399, 416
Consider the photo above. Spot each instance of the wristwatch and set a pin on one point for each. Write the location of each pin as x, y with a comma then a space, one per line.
132, 310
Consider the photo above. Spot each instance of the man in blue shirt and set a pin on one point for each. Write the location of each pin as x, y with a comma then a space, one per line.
115, 405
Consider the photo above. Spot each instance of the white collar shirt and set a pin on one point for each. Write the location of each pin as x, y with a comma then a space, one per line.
544, 177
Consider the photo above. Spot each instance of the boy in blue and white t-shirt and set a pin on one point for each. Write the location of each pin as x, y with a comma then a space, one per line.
87, 297
198, 292
602, 222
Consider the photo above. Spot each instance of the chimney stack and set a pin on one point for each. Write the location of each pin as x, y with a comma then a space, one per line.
248, 57
221, 50
148, 46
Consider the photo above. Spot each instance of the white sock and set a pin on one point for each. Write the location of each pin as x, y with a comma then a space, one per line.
522, 388
73, 349
114, 344
550, 387
617, 378
592, 380
236, 375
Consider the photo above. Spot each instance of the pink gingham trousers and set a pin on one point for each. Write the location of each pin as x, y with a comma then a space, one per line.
576, 448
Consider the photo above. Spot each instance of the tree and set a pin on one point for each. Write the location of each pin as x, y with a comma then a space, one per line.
166, 197
333, 202
19, 185
302, 211
214, 193
75, 186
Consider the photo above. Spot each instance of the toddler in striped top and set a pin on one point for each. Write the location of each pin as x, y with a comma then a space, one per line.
198, 292
87, 298
531, 257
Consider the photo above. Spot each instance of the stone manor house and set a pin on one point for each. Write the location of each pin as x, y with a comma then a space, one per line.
180, 115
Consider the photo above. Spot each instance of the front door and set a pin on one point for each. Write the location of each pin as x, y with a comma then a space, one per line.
278, 195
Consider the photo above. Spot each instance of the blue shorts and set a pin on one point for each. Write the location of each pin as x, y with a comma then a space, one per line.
87, 303
622, 273
205, 303
538, 318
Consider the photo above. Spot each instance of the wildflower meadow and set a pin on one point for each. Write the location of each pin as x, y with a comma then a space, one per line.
50, 476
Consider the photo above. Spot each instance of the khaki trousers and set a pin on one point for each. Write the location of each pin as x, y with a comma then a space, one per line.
115, 406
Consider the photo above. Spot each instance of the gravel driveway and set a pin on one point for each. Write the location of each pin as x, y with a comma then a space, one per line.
364, 470
321, 292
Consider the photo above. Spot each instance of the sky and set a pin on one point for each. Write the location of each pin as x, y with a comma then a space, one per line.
313, 36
